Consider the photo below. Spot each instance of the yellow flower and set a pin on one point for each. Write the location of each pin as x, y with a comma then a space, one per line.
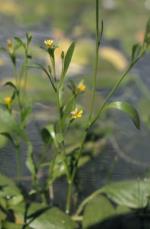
76, 113
48, 43
81, 87
10, 45
8, 100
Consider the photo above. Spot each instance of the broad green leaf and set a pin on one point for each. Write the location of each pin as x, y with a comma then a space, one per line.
19, 212
132, 194
10, 195
53, 219
35, 209
68, 57
15, 200
2, 216
9, 124
100, 209
7, 121
136, 51
127, 108
96, 211
8, 225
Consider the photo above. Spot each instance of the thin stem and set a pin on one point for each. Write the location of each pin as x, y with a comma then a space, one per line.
69, 195
15, 74
18, 162
25, 75
96, 60
62, 151
114, 89
51, 193
53, 66
85, 201
59, 105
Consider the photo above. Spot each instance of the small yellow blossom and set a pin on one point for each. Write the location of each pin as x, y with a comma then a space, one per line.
10, 45
8, 100
81, 87
49, 43
76, 113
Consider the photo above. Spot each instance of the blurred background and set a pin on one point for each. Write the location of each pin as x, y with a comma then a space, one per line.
120, 151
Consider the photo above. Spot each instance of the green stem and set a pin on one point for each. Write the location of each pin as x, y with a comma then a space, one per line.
110, 94
85, 201
18, 162
15, 74
69, 195
114, 89
25, 75
59, 105
96, 60
51, 193
98, 40
53, 66
62, 150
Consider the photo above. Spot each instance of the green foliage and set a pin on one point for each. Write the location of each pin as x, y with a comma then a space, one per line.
68, 57
65, 156
100, 209
147, 34
136, 51
132, 194
54, 219
127, 108
10, 197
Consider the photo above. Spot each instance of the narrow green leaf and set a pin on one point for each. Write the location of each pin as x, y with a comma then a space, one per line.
9, 137
68, 108
147, 33
48, 73
68, 57
30, 160
48, 133
13, 86
136, 51
25, 114
127, 108
20, 42
57, 168
59, 138
28, 37
72, 86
